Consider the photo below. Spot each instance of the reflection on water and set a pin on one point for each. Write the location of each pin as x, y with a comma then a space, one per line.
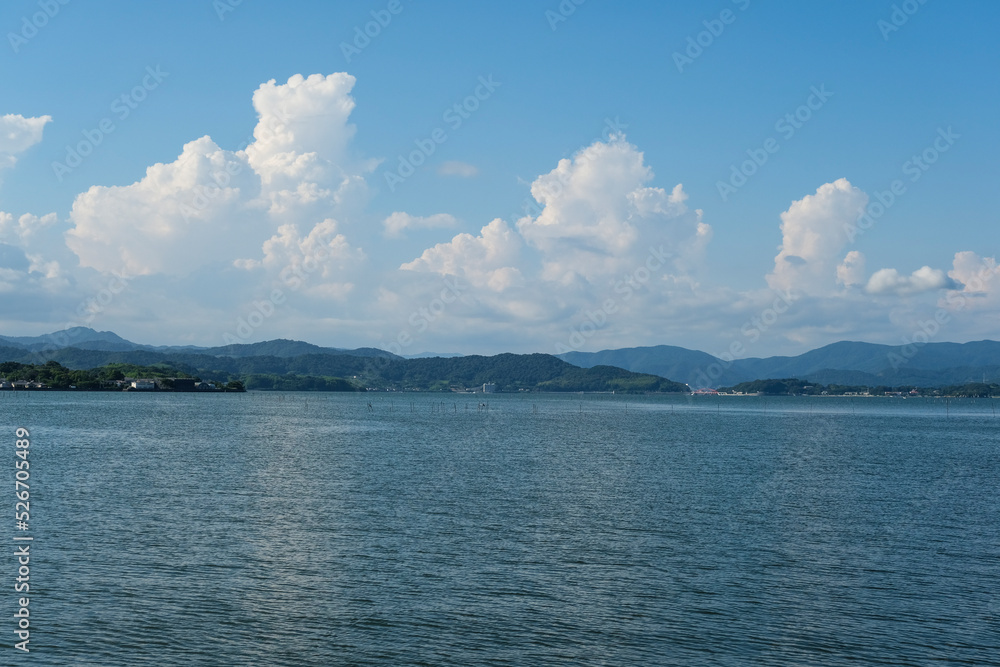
308, 529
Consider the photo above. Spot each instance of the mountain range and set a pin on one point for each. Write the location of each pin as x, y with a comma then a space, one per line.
288, 364
83, 338
845, 362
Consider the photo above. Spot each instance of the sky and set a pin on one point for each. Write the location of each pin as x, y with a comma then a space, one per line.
738, 177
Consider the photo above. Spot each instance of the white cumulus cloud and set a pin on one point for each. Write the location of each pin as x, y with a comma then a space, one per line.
397, 223
212, 205
195, 210
602, 234
488, 260
300, 147
813, 238
18, 134
599, 217
924, 279
976, 276
26, 228
29, 253
851, 271
320, 262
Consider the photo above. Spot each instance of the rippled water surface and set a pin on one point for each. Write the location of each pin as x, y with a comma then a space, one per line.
311, 529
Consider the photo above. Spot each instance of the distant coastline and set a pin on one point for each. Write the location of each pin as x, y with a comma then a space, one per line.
86, 359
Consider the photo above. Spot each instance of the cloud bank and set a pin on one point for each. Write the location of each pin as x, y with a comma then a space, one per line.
608, 258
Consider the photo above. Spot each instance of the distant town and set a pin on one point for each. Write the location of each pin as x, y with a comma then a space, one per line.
797, 387
130, 384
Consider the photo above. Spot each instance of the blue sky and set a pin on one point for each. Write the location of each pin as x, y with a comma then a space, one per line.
310, 240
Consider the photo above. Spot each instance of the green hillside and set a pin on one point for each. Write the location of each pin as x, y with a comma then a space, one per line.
92, 369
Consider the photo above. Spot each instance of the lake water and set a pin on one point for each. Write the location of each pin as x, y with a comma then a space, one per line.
312, 529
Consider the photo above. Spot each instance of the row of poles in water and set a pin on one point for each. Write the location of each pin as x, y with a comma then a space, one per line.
482, 406
441, 406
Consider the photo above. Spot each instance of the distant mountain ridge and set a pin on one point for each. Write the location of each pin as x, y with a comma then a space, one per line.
845, 362
74, 336
274, 365
83, 338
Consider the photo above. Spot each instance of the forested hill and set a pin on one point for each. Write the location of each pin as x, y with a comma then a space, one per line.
509, 372
514, 372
